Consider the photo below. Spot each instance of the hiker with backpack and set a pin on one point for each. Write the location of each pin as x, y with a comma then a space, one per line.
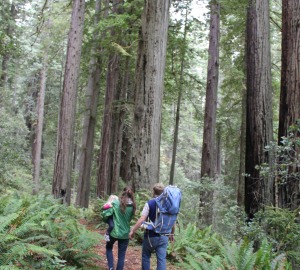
158, 219
122, 211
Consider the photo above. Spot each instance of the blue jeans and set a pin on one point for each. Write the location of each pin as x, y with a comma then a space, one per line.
122, 247
158, 244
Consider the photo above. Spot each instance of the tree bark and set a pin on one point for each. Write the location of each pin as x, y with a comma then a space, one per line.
107, 138
289, 111
208, 160
61, 185
109, 134
258, 189
118, 127
37, 144
241, 178
89, 122
149, 85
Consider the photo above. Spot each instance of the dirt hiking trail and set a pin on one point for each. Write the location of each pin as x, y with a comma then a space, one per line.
133, 253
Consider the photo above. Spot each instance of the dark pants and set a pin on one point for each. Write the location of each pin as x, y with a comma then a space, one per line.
122, 247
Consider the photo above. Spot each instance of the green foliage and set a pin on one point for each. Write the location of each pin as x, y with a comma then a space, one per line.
192, 242
282, 229
40, 233
14, 159
238, 255
202, 249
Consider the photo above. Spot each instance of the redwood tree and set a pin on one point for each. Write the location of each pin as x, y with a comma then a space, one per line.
61, 185
289, 111
258, 189
37, 143
149, 84
89, 122
106, 156
208, 160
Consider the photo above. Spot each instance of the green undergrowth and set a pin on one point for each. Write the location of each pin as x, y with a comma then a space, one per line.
205, 250
40, 233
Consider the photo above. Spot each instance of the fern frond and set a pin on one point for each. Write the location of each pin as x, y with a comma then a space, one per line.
34, 249
9, 267
7, 220
279, 262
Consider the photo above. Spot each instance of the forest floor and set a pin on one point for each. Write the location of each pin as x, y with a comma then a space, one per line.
133, 254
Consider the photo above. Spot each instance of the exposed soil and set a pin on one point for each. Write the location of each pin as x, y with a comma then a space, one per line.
133, 254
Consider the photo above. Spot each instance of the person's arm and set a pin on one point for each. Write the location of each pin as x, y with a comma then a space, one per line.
136, 226
143, 218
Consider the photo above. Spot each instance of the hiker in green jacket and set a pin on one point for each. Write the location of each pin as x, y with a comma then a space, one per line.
123, 211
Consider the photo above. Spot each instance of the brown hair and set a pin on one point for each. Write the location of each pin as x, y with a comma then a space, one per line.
127, 194
158, 189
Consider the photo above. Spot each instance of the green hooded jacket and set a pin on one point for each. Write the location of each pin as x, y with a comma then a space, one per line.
121, 220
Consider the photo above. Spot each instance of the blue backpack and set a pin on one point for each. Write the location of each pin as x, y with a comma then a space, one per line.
167, 208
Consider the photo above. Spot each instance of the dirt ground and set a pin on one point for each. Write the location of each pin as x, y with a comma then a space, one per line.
133, 254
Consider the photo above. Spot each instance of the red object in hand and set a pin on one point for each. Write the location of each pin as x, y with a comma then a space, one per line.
106, 206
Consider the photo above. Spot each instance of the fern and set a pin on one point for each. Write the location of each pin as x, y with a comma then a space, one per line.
280, 263
5, 221
215, 263
238, 256
37, 233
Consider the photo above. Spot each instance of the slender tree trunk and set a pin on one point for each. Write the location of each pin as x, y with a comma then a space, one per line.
180, 84
37, 144
149, 84
259, 107
289, 111
89, 122
126, 152
208, 150
107, 138
61, 186
218, 152
120, 114
241, 179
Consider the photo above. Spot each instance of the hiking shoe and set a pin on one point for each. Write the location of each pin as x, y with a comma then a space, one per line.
106, 237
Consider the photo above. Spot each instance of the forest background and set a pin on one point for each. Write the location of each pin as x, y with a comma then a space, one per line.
219, 120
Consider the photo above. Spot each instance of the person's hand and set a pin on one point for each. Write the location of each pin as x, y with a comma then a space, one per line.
131, 234
171, 238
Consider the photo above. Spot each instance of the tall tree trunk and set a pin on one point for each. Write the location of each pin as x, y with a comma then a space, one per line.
118, 127
259, 107
218, 152
89, 122
289, 111
126, 151
208, 149
105, 157
149, 85
179, 85
37, 144
61, 185
241, 178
